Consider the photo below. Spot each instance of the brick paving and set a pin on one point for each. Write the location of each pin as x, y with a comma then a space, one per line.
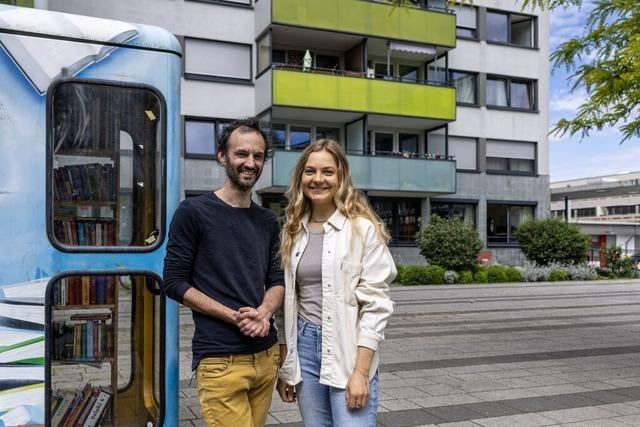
544, 354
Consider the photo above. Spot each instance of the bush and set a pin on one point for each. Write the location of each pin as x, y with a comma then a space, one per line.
481, 276
409, 274
558, 276
496, 274
552, 240
581, 272
433, 275
618, 262
449, 243
450, 277
512, 274
465, 277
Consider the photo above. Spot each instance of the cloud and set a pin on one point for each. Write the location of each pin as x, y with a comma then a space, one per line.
566, 23
562, 100
615, 159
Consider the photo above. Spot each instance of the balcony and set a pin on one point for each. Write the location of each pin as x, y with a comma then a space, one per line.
368, 18
381, 173
352, 92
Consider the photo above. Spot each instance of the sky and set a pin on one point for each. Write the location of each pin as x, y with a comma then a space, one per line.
599, 154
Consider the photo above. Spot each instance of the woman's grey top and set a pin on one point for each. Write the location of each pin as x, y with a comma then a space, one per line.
309, 280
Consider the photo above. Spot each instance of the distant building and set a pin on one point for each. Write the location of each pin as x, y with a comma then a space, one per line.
441, 111
607, 208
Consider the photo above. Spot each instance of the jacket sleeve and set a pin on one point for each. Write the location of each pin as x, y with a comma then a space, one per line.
372, 291
181, 250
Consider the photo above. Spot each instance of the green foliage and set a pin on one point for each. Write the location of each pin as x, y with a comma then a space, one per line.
558, 276
496, 274
546, 241
450, 243
465, 277
513, 275
618, 263
433, 275
481, 276
420, 275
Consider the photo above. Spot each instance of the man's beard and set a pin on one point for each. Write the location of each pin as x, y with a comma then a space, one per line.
240, 183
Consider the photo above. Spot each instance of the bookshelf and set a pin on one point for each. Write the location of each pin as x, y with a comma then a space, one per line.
84, 348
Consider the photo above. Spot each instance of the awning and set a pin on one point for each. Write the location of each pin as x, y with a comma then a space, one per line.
412, 48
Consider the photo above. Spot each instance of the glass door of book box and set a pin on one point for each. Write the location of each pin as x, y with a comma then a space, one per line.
104, 351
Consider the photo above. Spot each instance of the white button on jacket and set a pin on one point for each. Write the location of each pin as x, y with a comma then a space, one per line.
357, 269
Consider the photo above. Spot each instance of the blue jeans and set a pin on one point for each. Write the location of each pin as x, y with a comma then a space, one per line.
322, 405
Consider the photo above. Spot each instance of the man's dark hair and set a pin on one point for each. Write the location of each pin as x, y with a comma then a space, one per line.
247, 125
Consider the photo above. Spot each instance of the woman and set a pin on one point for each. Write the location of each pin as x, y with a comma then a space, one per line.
337, 274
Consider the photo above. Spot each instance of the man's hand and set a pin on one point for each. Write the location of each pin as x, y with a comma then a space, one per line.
253, 322
356, 393
287, 392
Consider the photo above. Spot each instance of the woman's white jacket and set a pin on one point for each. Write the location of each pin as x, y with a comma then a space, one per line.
357, 269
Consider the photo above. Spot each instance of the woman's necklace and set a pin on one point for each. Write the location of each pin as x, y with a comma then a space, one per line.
319, 220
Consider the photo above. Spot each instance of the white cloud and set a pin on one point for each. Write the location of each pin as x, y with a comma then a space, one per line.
613, 159
567, 23
562, 100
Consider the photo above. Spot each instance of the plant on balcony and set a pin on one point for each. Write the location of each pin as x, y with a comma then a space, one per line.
551, 240
449, 243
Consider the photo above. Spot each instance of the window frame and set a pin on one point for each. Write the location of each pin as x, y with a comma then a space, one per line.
218, 79
446, 141
509, 43
452, 202
508, 203
509, 171
508, 80
477, 140
215, 121
394, 204
475, 38
49, 196
476, 77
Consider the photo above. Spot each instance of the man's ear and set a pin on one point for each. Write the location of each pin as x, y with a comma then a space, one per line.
222, 158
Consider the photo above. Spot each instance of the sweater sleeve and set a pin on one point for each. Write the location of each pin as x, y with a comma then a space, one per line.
181, 250
275, 276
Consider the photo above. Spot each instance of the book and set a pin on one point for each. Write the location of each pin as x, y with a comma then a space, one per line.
33, 54
85, 395
63, 407
99, 409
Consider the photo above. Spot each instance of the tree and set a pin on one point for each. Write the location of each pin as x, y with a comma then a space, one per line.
449, 243
552, 240
604, 62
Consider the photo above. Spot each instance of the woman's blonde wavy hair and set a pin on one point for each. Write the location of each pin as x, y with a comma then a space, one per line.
348, 199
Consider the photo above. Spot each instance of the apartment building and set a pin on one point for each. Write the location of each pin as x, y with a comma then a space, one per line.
607, 208
441, 111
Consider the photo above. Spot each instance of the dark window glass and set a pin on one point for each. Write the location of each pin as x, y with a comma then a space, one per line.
96, 332
499, 164
264, 48
106, 166
522, 30
278, 134
327, 62
497, 27
466, 32
277, 204
465, 84
408, 73
400, 216
199, 137
384, 143
521, 95
619, 210
503, 220
299, 137
409, 143
381, 70
328, 133
463, 211
278, 56
582, 212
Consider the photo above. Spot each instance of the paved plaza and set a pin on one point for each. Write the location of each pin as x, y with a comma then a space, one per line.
545, 354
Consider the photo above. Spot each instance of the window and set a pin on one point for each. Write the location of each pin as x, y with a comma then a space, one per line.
106, 168
328, 133
437, 142
217, 60
511, 93
327, 62
465, 84
466, 22
504, 219
400, 216
437, 70
558, 213
510, 156
276, 203
409, 143
582, 212
511, 28
264, 52
408, 73
380, 70
279, 132
200, 137
299, 137
383, 143
463, 211
464, 151
619, 210
278, 56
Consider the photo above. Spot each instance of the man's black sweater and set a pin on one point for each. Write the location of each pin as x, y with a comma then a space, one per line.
231, 255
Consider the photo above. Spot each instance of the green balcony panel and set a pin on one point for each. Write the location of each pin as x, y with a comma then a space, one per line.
381, 173
331, 92
368, 18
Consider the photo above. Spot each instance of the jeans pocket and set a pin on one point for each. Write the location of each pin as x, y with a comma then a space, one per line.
214, 367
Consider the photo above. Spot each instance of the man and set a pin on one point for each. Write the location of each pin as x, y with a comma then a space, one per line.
222, 261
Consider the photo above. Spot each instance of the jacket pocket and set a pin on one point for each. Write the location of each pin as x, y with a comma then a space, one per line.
351, 272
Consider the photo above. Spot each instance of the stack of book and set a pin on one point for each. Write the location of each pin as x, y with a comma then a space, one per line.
88, 182
84, 290
84, 408
86, 232
84, 338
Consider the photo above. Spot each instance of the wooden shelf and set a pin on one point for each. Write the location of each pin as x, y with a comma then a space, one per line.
86, 152
83, 202
88, 307
82, 361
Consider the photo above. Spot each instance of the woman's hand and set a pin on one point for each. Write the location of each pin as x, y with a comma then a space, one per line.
356, 392
287, 392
